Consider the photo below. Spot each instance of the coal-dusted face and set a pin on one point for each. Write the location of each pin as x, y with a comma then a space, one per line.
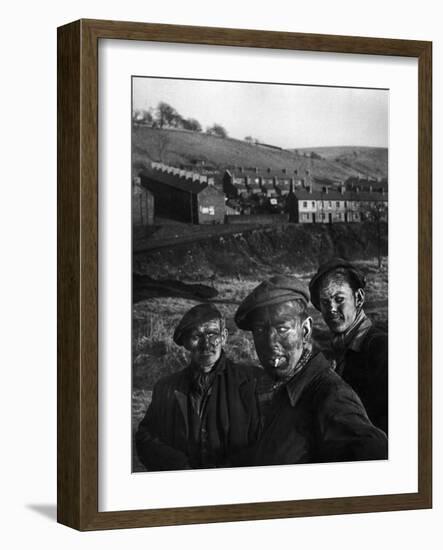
279, 333
339, 302
205, 343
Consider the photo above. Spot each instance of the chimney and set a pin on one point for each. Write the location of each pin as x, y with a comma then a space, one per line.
342, 189
325, 189
370, 189
310, 189
256, 170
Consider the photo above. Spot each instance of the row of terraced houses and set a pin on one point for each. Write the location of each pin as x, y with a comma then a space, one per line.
204, 195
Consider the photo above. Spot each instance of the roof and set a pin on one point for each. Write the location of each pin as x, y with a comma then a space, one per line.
175, 181
366, 196
261, 173
305, 195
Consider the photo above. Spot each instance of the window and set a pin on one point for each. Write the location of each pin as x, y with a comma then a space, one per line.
207, 210
337, 204
305, 204
313, 204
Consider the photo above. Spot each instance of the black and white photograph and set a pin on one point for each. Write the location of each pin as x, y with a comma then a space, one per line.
259, 274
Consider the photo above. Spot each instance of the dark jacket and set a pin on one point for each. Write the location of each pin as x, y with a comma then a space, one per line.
165, 439
365, 369
317, 417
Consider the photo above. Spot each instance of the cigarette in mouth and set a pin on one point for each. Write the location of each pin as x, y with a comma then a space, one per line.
276, 362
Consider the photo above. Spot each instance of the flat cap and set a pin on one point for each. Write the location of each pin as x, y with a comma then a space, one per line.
327, 267
277, 290
194, 317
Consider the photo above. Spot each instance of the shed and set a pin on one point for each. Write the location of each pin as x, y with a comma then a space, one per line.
185, 197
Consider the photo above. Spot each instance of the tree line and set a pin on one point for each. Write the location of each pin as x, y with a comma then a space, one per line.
165, 116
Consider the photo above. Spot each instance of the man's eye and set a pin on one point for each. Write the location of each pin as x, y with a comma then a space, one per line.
282, 330
339, 300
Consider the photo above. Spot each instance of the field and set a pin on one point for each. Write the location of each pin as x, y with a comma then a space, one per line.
155, 355
365, 159
180, 146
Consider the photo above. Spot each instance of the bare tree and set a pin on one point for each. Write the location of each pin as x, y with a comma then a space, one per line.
217, 130
162, 143
192, 124
166, 115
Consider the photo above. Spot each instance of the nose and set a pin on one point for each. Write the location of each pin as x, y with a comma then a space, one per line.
205, 341
271, 337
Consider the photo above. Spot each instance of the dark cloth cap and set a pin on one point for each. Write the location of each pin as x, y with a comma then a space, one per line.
276, 290
327, 267
194, 317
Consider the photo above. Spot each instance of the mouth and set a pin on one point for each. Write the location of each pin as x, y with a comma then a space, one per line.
277, 361
335, 319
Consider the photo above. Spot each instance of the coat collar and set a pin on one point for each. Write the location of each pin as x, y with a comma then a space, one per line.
298, 383
354, 336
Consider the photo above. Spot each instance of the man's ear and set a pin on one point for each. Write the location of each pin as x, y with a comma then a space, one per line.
224, 336
359, 298
307, 328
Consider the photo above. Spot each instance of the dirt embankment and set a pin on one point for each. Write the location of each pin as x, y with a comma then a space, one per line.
265, 251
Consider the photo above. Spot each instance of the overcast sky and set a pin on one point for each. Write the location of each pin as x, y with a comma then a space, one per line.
285, 115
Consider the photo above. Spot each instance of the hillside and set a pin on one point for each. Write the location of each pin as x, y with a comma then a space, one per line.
180, 146
372, 161
262, 251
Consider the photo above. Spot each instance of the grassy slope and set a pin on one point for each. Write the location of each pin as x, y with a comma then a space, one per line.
369, 160
183, 147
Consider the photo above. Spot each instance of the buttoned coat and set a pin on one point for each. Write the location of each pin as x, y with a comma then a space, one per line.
318, 417
164, 440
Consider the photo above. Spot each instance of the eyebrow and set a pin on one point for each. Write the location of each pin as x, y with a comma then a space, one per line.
338, 293
278, 323
211, 328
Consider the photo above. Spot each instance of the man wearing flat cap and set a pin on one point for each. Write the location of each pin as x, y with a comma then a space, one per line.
310, 413
360, 349
206, 415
